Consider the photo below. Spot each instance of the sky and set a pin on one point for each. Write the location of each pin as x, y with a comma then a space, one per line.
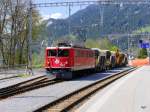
57, 12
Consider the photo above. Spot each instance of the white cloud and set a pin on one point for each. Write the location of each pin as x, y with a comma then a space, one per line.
45, 17
54, 16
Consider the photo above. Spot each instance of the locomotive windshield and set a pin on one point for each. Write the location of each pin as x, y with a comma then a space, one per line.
59, 52
51, 52
63, 53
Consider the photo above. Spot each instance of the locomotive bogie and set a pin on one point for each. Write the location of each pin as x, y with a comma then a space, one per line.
65, 74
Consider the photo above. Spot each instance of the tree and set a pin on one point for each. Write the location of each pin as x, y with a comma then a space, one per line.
14, 30
142, 53
91, 43
101, 43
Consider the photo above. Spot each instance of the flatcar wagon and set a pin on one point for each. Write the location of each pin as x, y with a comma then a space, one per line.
100, 57
108, 59
113, 59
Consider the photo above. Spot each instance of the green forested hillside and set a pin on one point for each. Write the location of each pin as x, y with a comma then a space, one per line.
127, 18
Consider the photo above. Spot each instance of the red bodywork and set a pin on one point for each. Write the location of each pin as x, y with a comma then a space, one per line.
73, 59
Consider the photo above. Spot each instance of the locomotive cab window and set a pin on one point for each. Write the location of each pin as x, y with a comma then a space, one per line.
59, 52
51, 52
63, 53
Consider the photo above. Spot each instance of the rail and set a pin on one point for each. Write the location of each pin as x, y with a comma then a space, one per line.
68, 102
26, 86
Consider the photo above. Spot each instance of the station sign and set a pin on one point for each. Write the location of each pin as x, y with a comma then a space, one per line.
145, 45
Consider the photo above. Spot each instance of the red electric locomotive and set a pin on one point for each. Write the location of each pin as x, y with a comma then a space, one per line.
63, 60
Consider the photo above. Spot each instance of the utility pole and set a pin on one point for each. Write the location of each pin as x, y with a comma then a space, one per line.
128, 45
101, 17
102, 14
149, 47
69, 22
29, 40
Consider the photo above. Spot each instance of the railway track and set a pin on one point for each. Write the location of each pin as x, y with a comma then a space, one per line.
5, 78
70, 101
26, 86
2, 80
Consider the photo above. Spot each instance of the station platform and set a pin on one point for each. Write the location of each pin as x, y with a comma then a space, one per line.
130, 93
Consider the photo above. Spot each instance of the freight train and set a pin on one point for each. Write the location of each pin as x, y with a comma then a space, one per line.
64, 60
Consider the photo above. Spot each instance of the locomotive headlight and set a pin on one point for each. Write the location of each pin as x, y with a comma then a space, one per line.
62, 65
66, 62
48, 62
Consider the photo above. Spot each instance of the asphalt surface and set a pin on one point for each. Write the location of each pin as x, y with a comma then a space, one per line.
128, 94
14, 72
29, 101
10, 73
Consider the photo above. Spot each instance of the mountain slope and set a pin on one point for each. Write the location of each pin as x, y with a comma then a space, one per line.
116, 20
